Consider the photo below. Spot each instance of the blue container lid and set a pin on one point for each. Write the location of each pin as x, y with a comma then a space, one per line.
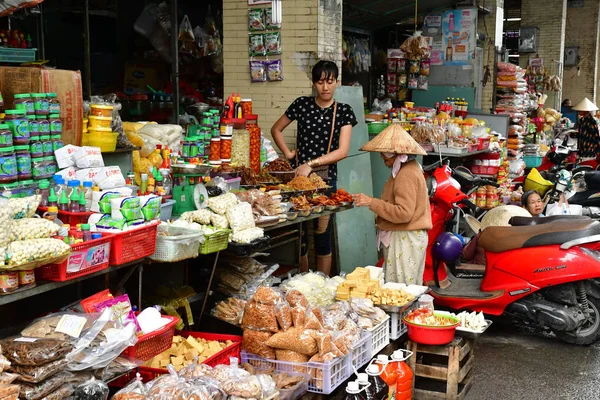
74, 183
87, 184
96, 236
58, 179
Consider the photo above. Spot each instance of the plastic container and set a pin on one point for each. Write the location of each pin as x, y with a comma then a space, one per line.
381, 336
397, 327
104, 138
53, 103
100, 122
9, 282
101, 110
40, 103
153, 343
56, 126
378, 386
425, 301
240, 144
361, 352
85, 258
18, 124
325, 377
26, 279
166, 210
215, 149
225, 148
365, 389
44, 124
36, 149
24, 102
432, 335
57, 142
398, 375
246, 107
134, 244
6, 137
185, 148
215, 242
23, 158
255, 142
34, 127
44, 191
46, 145
8, 165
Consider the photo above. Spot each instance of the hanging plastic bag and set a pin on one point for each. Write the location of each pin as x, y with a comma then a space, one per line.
186, 37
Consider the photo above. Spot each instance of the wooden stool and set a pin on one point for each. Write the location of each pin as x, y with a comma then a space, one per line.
442, 372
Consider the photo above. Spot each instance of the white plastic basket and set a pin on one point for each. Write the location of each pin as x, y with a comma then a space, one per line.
324, 377
181, 244
361, 352
397, 327
381, 336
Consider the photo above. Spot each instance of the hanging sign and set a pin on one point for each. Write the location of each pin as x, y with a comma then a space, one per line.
459, 36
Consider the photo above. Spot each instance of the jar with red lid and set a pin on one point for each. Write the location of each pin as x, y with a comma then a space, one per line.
225, 148
215, 149
255, 142
246, 107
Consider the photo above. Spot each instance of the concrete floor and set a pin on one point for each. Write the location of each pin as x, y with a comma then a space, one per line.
512, 363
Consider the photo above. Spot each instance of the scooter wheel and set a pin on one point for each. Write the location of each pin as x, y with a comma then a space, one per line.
587, 334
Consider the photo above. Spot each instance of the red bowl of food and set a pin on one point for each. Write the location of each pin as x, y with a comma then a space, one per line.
433, 334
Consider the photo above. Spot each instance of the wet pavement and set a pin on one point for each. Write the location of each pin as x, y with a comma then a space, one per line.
514, 363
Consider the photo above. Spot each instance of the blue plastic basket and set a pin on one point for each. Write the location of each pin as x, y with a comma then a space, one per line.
533, 161
11, 55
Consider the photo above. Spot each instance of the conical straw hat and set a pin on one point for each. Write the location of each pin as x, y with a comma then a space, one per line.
500, 216
394, 139
585, 105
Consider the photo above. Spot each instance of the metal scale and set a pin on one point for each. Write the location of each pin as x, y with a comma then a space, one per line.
189, 192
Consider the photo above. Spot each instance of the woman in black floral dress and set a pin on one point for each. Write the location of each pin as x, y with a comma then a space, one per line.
588, 135
317, 144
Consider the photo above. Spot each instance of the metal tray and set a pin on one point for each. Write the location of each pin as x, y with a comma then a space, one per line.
397, 309
190, 169
472, 334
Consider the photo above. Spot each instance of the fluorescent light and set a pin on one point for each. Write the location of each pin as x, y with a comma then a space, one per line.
512, 19
276, 12
514, 55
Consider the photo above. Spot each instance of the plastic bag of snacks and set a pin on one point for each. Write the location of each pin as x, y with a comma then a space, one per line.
299, 340
255, 342
22, 253
247, 236
39, 373
274, 70
24, 207
23, 351
135, 390
240, 217
92, 390
221, 204
32, 228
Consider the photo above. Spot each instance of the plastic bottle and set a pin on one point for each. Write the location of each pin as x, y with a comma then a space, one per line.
59, 184
353, 391
87, 194
87, 235
52, 199
167, 181
71, 186
51, 214
63, 203
380, 388
397, 375
82, 202
363, 382
74, 200
44, 192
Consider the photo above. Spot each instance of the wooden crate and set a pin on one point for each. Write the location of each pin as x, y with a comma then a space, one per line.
442, 372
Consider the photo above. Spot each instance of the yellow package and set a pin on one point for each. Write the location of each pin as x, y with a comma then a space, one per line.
134, 138
155, 159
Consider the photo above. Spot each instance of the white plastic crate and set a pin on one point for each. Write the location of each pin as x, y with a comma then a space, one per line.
361, 352
181, 244
324, 377
381, 336
397, 327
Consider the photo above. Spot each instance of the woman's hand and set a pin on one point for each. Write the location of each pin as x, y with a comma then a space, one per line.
290, 155
362, 200
303, 170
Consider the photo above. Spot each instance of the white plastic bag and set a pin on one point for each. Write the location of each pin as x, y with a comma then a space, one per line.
563, 208
88, 157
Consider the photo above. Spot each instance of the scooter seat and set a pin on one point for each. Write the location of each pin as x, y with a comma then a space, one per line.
530, 221
497, 239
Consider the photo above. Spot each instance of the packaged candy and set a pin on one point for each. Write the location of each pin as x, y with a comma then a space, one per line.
425, 67
255, 20
402, 80
257, 45
401, 68
257, 71
413, 82
273, 43
414, 66
274, 70
392, 64
423, 83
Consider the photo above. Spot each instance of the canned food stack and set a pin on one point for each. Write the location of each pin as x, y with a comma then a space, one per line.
99, 132
29, 135
198, 143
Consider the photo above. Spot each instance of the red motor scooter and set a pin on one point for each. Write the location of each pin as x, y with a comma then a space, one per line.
544, 270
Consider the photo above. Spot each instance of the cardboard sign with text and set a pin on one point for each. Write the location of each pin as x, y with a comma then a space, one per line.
66, 85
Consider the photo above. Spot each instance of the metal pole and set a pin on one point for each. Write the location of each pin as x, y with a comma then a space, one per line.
41, 36
174, 61
87, 68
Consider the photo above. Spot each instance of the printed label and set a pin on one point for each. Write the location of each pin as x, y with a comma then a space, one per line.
71, 325
88, 258
26, 339
56, 125
21, 128
44, 127
9, 281
8, 166
26, 277
54, 108
24, 165
6, 139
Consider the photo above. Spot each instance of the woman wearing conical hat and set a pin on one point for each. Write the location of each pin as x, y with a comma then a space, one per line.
403, 215
588, 135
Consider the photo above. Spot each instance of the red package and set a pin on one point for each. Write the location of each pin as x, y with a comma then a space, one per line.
89, 304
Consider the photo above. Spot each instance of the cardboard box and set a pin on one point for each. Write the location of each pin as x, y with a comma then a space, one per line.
66, 84
138, 76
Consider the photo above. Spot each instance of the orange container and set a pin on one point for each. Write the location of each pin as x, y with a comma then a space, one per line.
398, 376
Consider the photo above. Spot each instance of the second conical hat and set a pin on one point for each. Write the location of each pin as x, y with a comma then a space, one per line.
585, 105
394, 139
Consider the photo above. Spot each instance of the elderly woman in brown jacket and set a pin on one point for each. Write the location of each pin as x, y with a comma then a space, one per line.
403, 214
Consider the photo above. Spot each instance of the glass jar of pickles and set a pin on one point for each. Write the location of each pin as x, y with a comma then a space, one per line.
240, 144
225, 148
255, 142
215, 149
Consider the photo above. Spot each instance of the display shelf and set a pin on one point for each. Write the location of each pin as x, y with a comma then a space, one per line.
47, 286
121, 150
304, 219
463, 155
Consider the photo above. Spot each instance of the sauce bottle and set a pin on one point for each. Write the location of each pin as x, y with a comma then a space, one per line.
87, 235
353, 392
63, 203
397, 374
44, 192
380, 388
82, 202
52, 199
74, 200
363, 382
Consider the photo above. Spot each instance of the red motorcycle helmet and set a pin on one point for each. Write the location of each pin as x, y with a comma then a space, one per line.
446, 247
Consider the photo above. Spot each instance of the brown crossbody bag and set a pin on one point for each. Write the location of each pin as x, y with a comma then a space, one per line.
323, 170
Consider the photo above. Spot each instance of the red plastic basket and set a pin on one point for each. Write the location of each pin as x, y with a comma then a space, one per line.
85, 258
153, 343
133, 245
221, 357
71, 218
433, 335
484, 170
484, 143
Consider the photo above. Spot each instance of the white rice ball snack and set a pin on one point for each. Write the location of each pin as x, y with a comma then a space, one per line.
199, 216
25, 252
6, 222
24, 207
248, 235
220, 204
219, 221
32, 228
240, 217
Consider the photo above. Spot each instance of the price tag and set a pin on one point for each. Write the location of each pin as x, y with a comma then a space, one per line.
26, 339
71, 325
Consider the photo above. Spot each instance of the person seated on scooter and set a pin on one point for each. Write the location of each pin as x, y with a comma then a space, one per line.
532, 202
403, 214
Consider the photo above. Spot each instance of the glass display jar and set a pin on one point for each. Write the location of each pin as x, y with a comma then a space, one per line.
226, 127
240, 144
8, 165
225, 148
215, 149
247, 108
40, 103
255, 142
24, 102
6, 137
18, 124
23, 157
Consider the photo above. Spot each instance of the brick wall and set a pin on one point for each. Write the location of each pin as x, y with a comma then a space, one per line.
299, 40
549, 16
582, 32
330, 31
